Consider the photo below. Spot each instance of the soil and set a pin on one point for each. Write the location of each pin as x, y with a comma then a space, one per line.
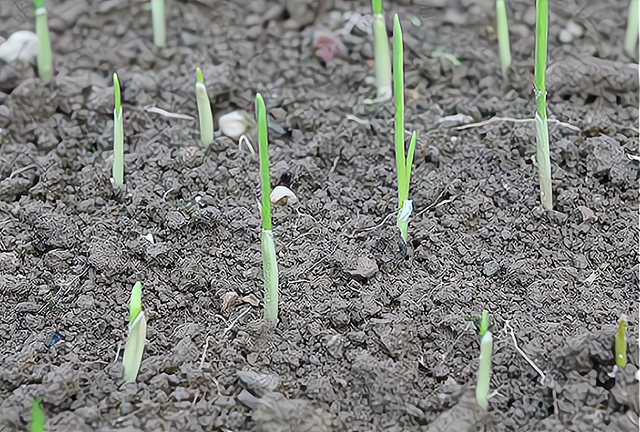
369, 338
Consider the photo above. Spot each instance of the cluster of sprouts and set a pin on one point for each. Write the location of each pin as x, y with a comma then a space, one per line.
389, 78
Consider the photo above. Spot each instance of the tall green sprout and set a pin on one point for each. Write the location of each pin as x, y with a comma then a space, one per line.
484, 367
502, 26
382, 60
118, 136
542, 128
403, 162
205, 117
631, 35
37, 416
621, 342
136, 338
159, 22
44, 58
269, 263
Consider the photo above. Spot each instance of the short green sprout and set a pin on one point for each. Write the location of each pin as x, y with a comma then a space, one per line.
621, 342
205, 116
484, 323
118, 136
502, 27
382, 60
136, 339
37, 416
269, 263
484, 367
403, 162
542, 127
44, 58
631, 35
159, 22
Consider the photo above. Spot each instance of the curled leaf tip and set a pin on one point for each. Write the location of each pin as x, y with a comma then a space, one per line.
199, 75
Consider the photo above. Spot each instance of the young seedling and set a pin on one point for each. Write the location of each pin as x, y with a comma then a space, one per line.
542, 127
136, 338
484, 323
502, 26
44, 58
631, 35
204, 110
484, 367
118, 137
159, 22
621, 342
382, 60
269, 264
37, 417
404, 161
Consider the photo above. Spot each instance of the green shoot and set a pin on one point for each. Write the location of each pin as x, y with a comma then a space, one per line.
269, 263
484, 323
135, 302
484, 370
159, 22
502, 26
136, 339
542, 127
382, 57
44, 58
37, 417
631, 35
621, 342
403, 162
205, 116
118, 136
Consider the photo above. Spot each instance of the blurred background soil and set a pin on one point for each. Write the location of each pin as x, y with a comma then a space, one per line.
368, 340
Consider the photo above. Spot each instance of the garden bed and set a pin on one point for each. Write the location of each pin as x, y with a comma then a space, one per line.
368, 339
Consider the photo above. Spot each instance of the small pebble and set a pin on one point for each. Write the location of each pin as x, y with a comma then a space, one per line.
491, 268
565, 36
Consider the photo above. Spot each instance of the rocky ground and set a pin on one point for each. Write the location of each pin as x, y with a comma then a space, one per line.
368, 340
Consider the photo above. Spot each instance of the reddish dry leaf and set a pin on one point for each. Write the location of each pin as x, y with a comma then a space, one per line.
329, 46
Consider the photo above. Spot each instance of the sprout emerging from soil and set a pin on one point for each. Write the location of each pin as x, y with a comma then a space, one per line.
204, 110
631, 35
44, 58
159, 23
484, 367
37, 417
403, 162
484, 323
382, 59
118, 136
542, 127
502, 26
269, 264
621, 342
134, 347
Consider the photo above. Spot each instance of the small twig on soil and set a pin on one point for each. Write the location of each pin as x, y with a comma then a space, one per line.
514, 120
229, 327
162, 112
247, 143
434, 203
509, 330
335, 164
358, 120
384, 221
21, 170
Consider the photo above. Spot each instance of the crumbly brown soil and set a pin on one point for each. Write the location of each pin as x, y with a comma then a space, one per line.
368, 340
